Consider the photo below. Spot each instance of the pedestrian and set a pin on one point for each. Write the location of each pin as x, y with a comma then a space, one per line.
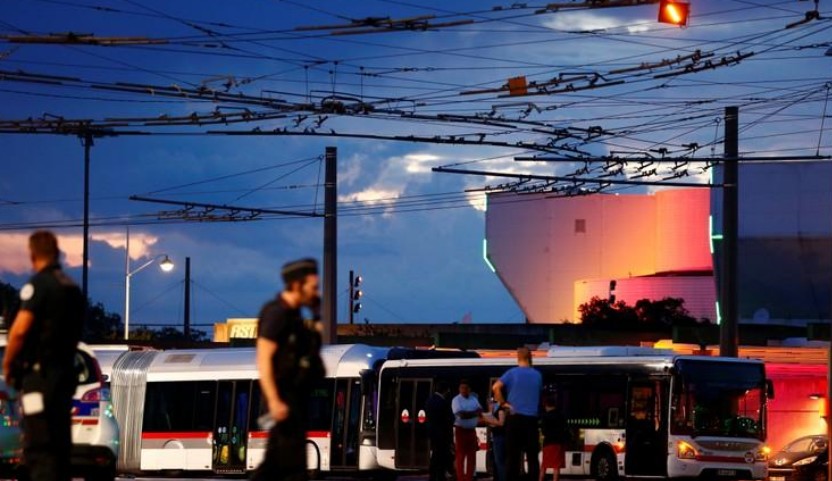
497, 433
467, 411
440, 419
40, 360
555, 438
522, 385
289, 364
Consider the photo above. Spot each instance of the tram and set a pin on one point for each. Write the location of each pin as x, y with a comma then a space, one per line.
186, 411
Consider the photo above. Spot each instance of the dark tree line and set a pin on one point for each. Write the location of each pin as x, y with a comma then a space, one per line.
669, 311
101, 325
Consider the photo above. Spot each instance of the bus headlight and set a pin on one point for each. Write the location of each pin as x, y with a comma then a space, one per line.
763, 454
685, 451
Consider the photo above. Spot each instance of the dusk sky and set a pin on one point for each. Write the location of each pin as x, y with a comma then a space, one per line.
414, 235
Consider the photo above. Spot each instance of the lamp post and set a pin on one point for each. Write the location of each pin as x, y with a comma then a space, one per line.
166, 265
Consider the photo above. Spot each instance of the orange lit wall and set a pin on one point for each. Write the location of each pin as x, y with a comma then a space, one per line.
792, 413
542, 246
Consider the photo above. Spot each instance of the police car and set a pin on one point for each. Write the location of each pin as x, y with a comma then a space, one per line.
94, 428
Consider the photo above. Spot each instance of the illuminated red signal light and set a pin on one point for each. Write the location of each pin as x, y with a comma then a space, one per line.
673, 12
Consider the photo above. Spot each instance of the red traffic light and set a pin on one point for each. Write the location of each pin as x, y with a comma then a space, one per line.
674, 12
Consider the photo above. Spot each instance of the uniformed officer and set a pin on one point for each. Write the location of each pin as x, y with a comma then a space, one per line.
289, 364
39, 360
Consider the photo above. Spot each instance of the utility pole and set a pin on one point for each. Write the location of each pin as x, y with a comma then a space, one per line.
729, 330
86, 139
330, 272
187, 329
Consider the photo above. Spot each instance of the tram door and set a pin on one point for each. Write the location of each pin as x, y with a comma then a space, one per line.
646, 428
346, 424
231, 427
412, 442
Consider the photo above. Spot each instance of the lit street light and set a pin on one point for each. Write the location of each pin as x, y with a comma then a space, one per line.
166, 265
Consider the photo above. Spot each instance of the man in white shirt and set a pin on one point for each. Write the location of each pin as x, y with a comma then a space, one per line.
467, 412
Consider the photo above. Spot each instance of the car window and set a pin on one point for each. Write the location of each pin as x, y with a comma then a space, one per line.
802, 445
86, 368
819, 445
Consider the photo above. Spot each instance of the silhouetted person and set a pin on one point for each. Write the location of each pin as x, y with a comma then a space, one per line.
440, 419
40, 360
289, 364
555, 438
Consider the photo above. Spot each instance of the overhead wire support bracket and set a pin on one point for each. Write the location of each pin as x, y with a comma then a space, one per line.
233, 210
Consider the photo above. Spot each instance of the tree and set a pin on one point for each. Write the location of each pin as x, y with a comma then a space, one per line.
603, 313
669, 311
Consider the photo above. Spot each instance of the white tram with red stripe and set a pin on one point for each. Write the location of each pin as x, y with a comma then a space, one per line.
632, 412
196, 410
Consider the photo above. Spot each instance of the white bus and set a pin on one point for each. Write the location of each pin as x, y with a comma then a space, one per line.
196, 410
633, 412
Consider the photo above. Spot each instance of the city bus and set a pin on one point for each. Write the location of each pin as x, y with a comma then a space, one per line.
632, 412
184, 411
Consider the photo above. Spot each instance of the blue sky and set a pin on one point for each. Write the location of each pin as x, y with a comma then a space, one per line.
419, 254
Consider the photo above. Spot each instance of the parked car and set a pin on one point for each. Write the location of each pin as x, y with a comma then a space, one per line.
94, 428
804, 459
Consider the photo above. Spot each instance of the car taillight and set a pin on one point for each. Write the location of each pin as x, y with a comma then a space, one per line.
92, 396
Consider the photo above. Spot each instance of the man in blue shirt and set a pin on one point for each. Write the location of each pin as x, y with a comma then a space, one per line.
518, 391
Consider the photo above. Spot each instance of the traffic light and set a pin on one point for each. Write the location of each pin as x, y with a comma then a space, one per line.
355, 295
674, 12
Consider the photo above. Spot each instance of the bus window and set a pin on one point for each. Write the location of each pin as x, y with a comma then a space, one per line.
320, 407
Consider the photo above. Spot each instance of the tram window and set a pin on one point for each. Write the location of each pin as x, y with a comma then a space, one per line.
180, 406
320, 407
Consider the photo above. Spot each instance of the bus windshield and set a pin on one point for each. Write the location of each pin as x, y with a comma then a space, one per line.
723, 399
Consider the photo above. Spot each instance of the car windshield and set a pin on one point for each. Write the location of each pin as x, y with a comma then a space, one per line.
807, 445
723, 399
86, 368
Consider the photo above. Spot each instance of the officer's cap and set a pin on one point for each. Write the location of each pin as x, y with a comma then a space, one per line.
297, 270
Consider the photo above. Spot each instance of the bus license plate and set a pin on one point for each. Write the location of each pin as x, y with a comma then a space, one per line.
777, 478
726, 472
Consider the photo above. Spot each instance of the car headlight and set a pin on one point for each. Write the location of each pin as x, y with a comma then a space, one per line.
805, 461
685, 451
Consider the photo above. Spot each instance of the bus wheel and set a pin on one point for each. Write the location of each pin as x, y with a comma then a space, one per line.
604, 465
313, 474
385, 475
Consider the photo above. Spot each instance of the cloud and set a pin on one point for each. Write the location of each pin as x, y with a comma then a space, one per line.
421, 162
372, 196
14, 250
587, 21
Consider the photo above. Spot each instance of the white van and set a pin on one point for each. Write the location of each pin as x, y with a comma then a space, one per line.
94, 428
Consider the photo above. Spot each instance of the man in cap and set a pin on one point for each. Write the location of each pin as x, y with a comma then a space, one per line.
289, 363
40, 360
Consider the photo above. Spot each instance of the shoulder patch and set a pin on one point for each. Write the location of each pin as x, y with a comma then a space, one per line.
26, 292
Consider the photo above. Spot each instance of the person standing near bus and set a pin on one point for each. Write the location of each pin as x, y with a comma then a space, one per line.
523, 385
289, 364
467, 411
497, 427
40, 360
440, 418
555, 438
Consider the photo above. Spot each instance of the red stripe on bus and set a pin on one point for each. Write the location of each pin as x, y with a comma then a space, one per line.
176, 435
86, 422
309, 434
589, 448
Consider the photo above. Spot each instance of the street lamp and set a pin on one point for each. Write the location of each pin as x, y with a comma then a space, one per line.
166, 265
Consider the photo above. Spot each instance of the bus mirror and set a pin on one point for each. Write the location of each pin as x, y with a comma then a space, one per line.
769, 389
367, 377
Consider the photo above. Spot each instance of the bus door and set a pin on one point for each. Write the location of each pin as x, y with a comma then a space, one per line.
346, 424
646, 430
412, 442
231, 427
